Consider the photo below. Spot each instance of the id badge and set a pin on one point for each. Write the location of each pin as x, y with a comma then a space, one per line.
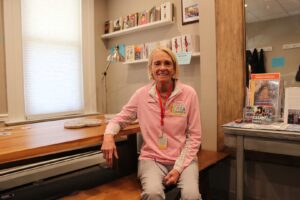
162, 142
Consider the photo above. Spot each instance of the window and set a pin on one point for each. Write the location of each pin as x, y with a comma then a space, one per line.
50, 66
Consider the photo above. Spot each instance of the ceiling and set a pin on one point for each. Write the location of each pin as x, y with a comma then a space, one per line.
261, 10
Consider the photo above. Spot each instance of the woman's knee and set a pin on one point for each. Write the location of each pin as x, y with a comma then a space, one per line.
153, 191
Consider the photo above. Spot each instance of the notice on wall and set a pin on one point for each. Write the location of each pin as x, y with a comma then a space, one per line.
278, 62
184, 58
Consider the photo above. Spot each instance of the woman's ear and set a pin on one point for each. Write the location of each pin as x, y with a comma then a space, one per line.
151, 74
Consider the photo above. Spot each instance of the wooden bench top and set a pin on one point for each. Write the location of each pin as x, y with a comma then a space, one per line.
208, 158
129, 188
43, 138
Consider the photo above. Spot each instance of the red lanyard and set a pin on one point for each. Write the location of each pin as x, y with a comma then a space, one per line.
162, 107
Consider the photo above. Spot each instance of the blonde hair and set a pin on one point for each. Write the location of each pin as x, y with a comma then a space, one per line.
172, 56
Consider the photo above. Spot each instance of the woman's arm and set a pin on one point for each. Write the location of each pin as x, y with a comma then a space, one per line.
193, 137
120, 121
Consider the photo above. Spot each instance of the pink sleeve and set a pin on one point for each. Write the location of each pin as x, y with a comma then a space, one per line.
127, 115
193, 140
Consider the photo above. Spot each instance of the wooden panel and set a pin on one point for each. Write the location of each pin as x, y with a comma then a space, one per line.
230, 62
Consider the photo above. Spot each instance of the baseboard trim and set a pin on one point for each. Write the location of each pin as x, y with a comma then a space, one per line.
3, 117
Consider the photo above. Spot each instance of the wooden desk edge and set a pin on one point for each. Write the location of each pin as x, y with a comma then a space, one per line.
61, 147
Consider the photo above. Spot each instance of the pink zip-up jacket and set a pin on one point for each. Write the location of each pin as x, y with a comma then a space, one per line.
181, 124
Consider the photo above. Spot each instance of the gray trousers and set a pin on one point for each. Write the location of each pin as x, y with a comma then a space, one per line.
151, 174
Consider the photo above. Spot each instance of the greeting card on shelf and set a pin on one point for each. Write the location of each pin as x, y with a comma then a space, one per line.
190, 43
143, 18
158, 13
176, 44
138, 51
126, 22
106, 27
166, 11
129, 51
118, 24
165, 44
133, 20
150, 46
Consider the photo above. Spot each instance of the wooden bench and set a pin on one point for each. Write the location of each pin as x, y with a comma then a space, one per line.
129, 188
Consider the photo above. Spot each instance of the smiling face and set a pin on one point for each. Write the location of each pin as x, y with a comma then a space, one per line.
162, 67
264, 93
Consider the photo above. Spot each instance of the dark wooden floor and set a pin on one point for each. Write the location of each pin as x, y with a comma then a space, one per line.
128, 187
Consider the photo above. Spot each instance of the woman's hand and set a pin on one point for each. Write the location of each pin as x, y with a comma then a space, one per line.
172, 177
109, 149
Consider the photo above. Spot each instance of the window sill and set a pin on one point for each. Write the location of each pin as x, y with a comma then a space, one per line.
49, 119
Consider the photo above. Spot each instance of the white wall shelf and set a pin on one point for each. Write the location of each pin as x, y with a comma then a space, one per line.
137, 28
136, 61
195, 54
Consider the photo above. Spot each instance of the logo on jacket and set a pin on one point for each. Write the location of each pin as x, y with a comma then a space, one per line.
177, 108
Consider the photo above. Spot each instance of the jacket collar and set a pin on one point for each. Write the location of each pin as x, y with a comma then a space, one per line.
152, 91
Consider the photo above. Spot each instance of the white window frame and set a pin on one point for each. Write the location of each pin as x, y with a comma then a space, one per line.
14, 62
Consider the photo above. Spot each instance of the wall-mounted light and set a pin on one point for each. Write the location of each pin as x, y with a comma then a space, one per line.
111, 58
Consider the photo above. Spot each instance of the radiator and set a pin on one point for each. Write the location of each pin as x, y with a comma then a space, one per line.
30, 173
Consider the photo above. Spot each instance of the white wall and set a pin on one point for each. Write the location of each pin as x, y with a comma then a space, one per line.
275, 33
123, 80
100, 12
3, 103
208, 71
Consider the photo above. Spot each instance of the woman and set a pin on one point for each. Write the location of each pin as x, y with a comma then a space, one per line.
169, 118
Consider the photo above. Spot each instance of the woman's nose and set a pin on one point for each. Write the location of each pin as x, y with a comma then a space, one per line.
162, 66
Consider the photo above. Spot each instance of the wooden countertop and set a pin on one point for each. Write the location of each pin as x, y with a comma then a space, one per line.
32, 140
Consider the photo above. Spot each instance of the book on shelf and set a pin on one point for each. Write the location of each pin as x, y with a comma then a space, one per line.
292, 105
265, 90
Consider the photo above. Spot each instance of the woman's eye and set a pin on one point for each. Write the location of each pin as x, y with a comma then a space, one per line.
168, 63
165, 63
156, 63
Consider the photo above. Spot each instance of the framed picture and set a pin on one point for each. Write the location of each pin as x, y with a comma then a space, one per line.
190, 11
